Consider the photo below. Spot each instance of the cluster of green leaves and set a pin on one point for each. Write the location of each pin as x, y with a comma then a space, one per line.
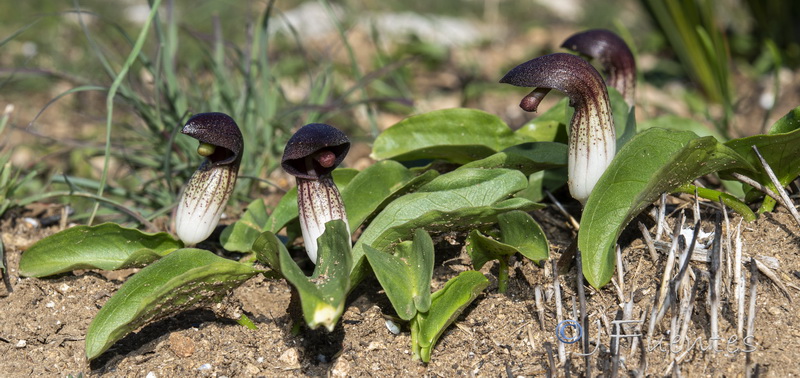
396, 207
654, 161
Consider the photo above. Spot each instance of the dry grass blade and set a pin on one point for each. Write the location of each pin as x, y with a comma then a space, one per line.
686, 314
772, 276
559, 309
662, 209
785, 200
648, 240
537, 294
757, 185
751, 315
584, 319
620, 275
716, 281
663, 289
727, 248
563, 211
552, 363
739, 276
615, 344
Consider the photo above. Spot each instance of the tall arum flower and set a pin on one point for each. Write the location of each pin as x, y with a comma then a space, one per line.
311, 154
613, 54
204, 196
592, 139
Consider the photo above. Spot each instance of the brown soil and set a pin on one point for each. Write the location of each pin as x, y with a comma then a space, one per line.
43, 322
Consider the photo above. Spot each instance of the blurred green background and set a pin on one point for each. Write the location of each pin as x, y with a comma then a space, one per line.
359, 65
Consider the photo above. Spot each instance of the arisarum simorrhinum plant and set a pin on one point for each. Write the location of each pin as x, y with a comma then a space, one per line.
592, 138
204, 196
613, 54
311, 154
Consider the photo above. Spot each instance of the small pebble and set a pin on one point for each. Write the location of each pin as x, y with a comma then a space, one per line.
50, 304
21, 344
341, 368
181, 345
393, 328
204, 367
375, 345
151, 374
290, 357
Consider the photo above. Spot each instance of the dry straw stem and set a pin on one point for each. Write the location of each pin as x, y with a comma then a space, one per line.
575, 225
584, 318
648, 240
714, 290
785, 200
772, 276
658, 306
751, 314
537, 294
559, 309
739, 277
662, 210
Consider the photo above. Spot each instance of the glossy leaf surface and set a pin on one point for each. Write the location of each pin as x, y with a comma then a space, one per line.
655, 161
446, 305
456, 135
106, 246
465, 198
406, 275
179, 281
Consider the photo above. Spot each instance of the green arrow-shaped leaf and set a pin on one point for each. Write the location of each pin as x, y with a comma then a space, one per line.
446, 305
406, 276
457, 135
653, 162
172, 284
322, 295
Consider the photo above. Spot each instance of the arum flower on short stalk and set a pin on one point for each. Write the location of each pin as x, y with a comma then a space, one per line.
613, 54
204, 196
311, 154
592, 139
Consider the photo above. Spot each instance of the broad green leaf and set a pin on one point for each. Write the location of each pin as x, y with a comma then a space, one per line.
446, 305
374, 187
267, 248
406, 276
239, 236
780, 148
286, 210
518, 229
549, 126
179, 281
788, 123
655, 161
456, 135
527, 157
323, 294
518, 233
106, 246
464, 198
482, 249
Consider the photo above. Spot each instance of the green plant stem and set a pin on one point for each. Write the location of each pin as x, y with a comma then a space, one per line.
727, 199
112, 91
502, 274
